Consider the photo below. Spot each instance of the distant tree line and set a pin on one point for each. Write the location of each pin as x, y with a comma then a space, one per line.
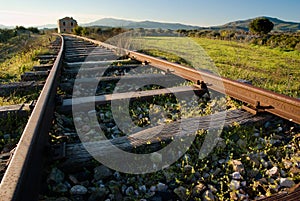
6, 34
258, 34
284, 41
104, 33
98, 33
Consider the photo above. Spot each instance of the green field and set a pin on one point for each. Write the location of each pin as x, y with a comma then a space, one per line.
272, 69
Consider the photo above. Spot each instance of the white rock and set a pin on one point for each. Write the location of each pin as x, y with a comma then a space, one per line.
129, 191
114, 128
108, 114
221, 161
153, 188
78, 190
143, 189
102, 116
264, 163
287, 182
117, 175
140, 116
279, 129
123, 188
236, 176
273, 171
161, 187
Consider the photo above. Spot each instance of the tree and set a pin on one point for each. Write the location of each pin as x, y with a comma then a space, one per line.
261, 26
20, 28
6, 34
34, 30
78, 30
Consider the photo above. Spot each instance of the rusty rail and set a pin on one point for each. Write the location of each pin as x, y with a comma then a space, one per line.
260, 99
22, 177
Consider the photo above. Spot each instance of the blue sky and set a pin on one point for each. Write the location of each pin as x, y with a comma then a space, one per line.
194, 12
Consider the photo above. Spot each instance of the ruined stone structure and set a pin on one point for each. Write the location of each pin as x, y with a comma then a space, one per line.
66, 25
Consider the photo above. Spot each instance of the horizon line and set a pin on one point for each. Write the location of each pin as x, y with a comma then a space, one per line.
158, 21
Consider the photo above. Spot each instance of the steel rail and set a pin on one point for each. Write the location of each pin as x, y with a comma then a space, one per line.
23, 175
261, 99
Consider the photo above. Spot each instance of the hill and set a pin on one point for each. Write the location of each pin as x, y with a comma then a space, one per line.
48, 26
111, 22
279, 25
5, 27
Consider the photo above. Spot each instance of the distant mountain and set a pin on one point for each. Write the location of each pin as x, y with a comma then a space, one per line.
161, 25
5, 27
110, 22
279, 25
47, 26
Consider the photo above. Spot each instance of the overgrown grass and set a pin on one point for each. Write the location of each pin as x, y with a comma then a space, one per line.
268, 68
11, 128
14, 99
165, 55
265, 67
20, 55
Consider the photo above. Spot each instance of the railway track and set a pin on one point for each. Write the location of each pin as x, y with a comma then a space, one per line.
13, 118
85, 68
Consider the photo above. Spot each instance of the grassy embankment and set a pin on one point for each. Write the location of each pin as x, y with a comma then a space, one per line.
265, 67
17, 56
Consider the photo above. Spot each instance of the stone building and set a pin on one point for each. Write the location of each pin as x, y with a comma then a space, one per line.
66, 25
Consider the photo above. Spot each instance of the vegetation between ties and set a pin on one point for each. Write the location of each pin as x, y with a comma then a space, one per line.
247, 162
